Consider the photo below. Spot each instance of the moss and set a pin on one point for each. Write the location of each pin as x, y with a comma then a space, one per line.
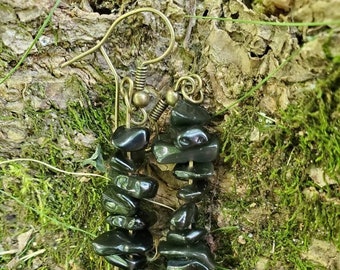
274, 171
64, 210
271, 218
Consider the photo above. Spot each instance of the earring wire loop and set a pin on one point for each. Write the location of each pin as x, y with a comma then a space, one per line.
190, 85
114, 24
119, 84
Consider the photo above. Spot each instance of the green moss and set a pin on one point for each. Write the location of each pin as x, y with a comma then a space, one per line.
275, 215
64, 210
315, 123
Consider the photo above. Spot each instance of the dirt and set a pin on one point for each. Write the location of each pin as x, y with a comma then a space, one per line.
230, 57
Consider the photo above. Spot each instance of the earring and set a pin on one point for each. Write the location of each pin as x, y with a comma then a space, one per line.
193, 149
187, 144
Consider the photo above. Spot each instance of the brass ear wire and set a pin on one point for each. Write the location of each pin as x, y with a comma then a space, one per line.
127, 95
114, 24
117, 84
140, 95
190, 86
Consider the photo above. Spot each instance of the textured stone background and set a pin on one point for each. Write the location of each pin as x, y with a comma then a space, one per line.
231, 58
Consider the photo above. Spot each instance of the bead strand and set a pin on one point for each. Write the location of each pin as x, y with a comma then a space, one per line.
193, 149
126, 245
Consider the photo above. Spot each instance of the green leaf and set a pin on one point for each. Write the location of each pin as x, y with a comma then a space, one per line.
96, 160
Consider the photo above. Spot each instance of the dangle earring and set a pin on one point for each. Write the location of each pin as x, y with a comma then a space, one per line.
126, 246
193, 149
140, 97
187, 144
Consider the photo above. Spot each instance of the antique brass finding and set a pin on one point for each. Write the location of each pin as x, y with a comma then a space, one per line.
135, 95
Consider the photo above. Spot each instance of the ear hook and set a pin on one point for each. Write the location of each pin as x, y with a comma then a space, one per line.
140, 99
127, 92
117, 84
113, 25
189, 85
127, 95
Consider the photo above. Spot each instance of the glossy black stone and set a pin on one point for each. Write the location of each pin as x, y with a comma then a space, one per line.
185, 113
118, 204
136, 186
130, 139
168, 153
129, 223
120, 163
198, 252
123, 242
198, 170
185, 265
190, 137
185, 237
185, 216
128, 262
194, 192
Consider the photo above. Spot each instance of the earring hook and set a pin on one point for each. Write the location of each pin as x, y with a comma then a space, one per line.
127, 95
114, 24
141, 70
117, 85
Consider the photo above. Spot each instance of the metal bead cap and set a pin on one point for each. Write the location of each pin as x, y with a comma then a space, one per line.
171, 97
141, 99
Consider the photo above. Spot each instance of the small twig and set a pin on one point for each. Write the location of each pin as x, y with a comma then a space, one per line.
160, 204
191, 7
52, 167
290, 156
31, 255
8, 252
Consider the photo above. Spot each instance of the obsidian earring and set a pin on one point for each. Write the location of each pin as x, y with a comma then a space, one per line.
187, 144
126, 245
193, 149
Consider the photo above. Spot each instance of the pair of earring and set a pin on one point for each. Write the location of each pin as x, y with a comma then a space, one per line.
186, 143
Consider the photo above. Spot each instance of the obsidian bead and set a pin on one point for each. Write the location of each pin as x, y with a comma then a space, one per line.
185, 113
186, 237
198, 170
190, 137
137, 186
185, 265
130, 139
184, 216
121, 164
129, 223
193, 192
128, 262
119, 204
123, 242
198, 252
119, 161
167, 153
